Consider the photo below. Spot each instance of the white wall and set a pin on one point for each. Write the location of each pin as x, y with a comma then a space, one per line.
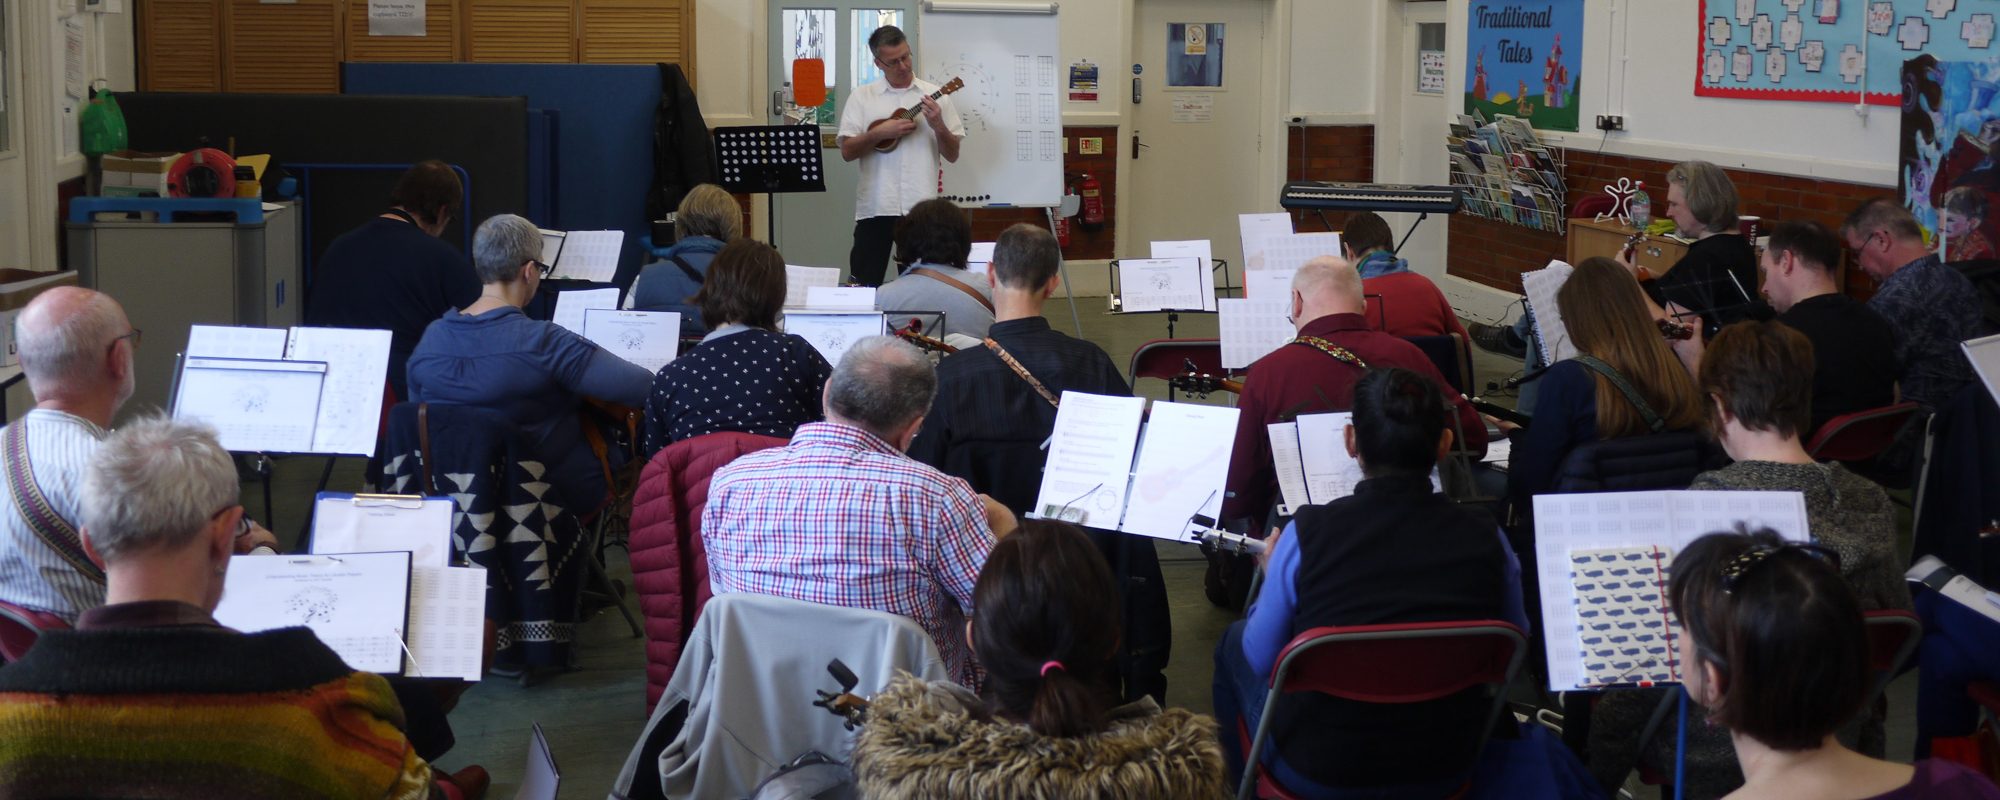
37, 102
1336, 47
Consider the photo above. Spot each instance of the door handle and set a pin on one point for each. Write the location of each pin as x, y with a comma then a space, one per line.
1136, 145
777, 102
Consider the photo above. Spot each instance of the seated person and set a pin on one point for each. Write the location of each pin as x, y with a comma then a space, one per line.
841, 516
1961, 646
1046, 727
1749, 605
1400, 302
744, 376
1757, 377
1717, 279
1608, 319
213, 711
1930, 306
393, 273
932, 244
1394, 551
708, 218
489, 354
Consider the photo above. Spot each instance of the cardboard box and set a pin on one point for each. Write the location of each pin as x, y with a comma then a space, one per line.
17, 287
130, 173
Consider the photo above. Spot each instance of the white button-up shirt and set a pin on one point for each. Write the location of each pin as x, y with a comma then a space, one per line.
893, 182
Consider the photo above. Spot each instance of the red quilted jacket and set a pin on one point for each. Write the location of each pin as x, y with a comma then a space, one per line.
669, 566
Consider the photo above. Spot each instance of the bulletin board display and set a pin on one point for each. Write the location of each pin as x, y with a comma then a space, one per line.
1832, 51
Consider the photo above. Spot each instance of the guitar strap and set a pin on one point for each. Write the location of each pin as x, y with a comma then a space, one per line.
1340, 354
1008, 359
58, 534
955, 284
1624, 387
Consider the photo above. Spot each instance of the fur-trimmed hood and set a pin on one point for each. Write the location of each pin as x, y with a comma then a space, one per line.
925, 740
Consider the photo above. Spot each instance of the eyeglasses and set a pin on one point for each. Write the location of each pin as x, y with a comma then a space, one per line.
899, 61
242, 523
1742, 565
134, 336
544, 269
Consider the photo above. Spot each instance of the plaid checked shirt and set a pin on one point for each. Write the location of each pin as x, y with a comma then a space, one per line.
840, 517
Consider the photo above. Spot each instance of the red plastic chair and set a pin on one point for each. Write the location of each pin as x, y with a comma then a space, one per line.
1592, 205
1861, 435
1389, 664
20, 627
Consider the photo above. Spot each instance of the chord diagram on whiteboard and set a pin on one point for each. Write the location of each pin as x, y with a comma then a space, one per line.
1020, 70
1024, 145
1045, 69
1048, 109
1049, 145
1024, 109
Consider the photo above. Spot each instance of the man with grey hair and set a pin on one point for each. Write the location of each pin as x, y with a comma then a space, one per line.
841, 516
1930, 306
76, 349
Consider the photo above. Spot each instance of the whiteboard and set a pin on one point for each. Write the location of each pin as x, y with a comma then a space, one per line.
1011, 104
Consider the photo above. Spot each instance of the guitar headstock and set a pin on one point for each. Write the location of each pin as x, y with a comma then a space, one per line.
952, 85
1201, 384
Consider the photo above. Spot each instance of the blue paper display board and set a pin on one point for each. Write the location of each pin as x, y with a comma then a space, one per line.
1832, 51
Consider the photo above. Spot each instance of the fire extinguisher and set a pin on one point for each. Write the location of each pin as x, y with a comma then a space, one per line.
1062, 232
1093, 202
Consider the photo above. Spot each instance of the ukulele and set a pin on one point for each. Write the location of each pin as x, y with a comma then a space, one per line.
1201, 384
912, 112
925, 343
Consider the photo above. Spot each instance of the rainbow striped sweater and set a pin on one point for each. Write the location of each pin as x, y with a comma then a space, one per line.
199, 712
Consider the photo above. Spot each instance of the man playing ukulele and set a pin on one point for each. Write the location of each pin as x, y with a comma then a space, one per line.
895, 180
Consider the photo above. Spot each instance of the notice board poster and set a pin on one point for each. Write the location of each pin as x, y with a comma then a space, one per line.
1524, 60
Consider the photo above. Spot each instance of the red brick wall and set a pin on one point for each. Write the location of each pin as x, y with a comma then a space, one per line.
988, 223
1328, 153
1496, 253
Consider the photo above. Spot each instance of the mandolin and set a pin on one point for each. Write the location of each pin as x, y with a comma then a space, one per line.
912, 112
926, 343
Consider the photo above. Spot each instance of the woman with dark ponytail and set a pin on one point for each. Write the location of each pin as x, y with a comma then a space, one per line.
1046, 630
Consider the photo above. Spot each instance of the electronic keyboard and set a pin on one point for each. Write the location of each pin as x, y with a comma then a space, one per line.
1327, 196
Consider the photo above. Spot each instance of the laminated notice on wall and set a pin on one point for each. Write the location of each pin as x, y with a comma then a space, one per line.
396, 17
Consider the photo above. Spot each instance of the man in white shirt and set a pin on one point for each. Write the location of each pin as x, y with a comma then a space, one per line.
892, 182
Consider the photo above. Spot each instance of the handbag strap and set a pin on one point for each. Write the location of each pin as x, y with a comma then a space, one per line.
1652, 418
1340, 354
686, 269
56, 533
955, 284
1008, 359
424, 450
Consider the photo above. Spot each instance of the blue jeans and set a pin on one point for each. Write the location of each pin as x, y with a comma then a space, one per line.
1524, 327
1960, 646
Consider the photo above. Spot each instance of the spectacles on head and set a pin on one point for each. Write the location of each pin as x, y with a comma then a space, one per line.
134, 336
1745, 564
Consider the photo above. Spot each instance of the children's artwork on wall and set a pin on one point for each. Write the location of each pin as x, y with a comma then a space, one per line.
1950, 172
1523, 61
1832, 51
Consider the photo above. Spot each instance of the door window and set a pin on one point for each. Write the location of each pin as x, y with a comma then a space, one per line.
811, 33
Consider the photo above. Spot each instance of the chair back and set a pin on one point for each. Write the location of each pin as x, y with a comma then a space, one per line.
1592, 205
20, 627
1893, 636
1861, 435
1450, 354
1166, 358
1636, 463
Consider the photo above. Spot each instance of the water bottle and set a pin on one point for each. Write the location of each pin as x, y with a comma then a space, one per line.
1640, 207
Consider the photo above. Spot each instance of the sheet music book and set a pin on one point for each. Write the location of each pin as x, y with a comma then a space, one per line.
1541, 286
382, 523
541, 778
1588, 526
1310, 456
447, 634
1984, 353
849, 298
1250, 329
356, 603
582, 255
1288, 253
349, 407
570, 306
1107, 470
1254, 230
1196, 249
981, 259
1090, 459
255, 405
832, 332
1164, 284
799, 281
650, 339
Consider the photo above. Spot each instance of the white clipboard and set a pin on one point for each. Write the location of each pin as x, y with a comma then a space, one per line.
376, 523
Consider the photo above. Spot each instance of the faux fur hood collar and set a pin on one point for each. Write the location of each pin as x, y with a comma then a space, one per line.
924, 740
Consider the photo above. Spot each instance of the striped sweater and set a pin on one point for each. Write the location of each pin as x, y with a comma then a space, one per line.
199, 712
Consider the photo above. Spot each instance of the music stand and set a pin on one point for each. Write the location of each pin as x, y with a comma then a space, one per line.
770, 160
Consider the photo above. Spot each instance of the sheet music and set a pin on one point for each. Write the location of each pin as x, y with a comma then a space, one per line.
1290, 463
1163, 284
1499, 450
1330, 473
541, 778
1197, 249
649, 339
1251, 329
357, 370
355, 603
571, 304
1289, 253
1541, 286
552, 242
981, 257
1984, 354
832, 333
1254, 230
798, 280
587, 255
342, 523
256, 406
1090, 459
1669, 520
1274, 285
229, 341
1625, 631
1182, 466
841, 297
447, 635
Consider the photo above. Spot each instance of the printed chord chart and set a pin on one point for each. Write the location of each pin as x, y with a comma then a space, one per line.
1024, 110
1048, 115
1021, 71
1045, 71
1050, 150
1024, 145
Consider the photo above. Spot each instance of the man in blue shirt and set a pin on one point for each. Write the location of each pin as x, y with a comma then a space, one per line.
1930, 306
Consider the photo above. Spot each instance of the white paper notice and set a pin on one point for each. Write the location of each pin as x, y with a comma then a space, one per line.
224, 341
447, 635
570, 306
1164, 284
396, 17
1193, 107
1182, 466
343, 523
1288, 253
1197, 249
1291, 468
1541, 286
1090, 459
587, 255
649, 339
75, 78
799, 279
355, 603
256, 406
981, 257
1568, 523
1251, 329
1254, 230
833, 332
357, 368
848, 298
1985, 357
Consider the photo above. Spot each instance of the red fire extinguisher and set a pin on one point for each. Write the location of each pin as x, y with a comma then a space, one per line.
1093, 202
1062, 232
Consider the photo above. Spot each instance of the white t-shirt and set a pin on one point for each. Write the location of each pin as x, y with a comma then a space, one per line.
893, 182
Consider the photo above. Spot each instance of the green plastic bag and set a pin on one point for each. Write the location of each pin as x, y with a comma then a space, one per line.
102, 124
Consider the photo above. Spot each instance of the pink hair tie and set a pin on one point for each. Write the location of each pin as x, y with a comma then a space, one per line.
1051, 665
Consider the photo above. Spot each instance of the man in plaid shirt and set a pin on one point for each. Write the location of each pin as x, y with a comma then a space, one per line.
841, 516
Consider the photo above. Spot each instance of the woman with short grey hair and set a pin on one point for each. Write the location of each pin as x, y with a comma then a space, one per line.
1717, 280
491, 355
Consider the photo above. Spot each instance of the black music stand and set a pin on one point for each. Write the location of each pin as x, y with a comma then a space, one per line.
770, 160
